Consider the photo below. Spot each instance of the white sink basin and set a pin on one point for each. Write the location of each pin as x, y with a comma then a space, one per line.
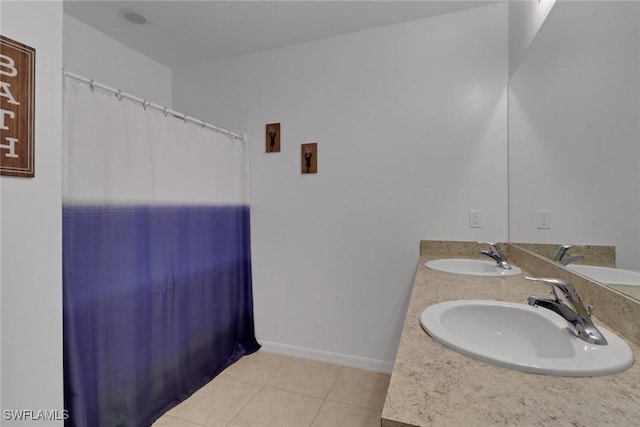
471, 267
523, 338
606, 275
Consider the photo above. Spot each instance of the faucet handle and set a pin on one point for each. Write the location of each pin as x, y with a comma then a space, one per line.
566, 287
494, 247
550, 281
561, 252
570, 292
496, 253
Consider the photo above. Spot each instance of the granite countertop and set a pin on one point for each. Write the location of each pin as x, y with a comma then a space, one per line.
432, 385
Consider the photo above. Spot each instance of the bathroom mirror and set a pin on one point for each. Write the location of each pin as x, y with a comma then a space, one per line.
574, 131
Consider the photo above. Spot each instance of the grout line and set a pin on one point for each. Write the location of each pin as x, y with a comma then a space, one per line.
182, 419
246, 404
294, 392
283, 391
313, 420
354, 405
335, 380
278, 372
324, 401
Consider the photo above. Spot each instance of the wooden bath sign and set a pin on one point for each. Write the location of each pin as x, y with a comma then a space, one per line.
17, 105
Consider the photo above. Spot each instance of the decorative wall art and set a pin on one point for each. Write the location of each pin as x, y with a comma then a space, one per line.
272, 138
17, 107
309, 158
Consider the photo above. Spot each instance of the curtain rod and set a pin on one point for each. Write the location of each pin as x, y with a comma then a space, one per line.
146, 104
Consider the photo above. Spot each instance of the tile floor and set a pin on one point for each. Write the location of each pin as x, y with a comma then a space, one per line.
270, 390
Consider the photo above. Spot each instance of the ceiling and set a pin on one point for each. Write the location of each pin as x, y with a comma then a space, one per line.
180, 33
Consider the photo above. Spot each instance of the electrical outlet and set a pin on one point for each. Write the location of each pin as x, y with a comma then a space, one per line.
475, 219
543, 219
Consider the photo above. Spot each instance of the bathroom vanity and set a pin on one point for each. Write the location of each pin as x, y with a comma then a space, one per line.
432, 385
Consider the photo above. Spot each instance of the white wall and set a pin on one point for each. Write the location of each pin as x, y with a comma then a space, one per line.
573, 128
525, 19
411, 125
31, 306
94, 55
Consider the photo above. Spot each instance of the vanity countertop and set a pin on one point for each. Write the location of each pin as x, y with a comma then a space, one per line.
432, 385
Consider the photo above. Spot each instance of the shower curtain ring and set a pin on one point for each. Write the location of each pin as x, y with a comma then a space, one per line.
145, 104
92, 85
119, 95
185, 118
164, 111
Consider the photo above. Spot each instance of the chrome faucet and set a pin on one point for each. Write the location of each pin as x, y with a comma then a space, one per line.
579, 316
496, 254
563, 255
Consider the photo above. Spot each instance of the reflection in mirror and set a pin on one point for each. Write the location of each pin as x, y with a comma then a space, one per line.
626, 281
574, 133
596, 262
599, 255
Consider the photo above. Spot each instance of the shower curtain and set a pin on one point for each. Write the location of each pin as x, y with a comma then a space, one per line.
157, 267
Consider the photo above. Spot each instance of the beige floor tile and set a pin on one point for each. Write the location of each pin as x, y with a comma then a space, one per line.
360, 388
306, 377
218, 401
334, 414
293, 396
169, 421
277, 408
256, 368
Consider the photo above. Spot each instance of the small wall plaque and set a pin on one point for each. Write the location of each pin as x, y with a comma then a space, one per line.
17, 106
272, 138
309, 157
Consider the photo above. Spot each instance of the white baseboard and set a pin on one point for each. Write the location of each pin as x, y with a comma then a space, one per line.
328, 357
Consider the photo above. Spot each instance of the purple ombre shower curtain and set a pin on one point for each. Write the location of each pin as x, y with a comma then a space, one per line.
157, 266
